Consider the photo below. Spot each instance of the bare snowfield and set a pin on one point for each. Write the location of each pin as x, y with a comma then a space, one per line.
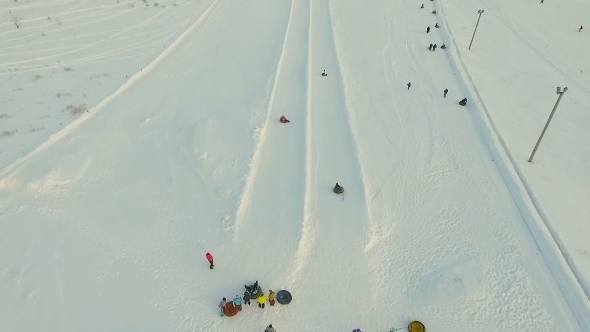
104, 225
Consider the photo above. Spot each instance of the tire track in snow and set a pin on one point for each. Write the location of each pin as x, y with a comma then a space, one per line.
202, 19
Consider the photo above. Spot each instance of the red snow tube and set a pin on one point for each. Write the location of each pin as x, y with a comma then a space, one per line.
231, 310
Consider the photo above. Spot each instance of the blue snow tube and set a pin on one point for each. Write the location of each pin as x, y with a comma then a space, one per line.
283, 297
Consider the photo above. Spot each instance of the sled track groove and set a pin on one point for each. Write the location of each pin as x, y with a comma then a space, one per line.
202, 19
548, 242
246, 198
307, 236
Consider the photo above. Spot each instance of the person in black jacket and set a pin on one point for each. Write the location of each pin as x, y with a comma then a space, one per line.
247, 298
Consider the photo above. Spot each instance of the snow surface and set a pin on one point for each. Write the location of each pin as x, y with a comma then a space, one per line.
104, 226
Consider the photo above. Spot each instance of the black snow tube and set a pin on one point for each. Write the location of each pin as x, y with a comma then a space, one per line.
462, 103
339, 190
283, 297
255, 293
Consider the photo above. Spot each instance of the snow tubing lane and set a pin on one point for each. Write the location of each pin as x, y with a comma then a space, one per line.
230, 310
283, 297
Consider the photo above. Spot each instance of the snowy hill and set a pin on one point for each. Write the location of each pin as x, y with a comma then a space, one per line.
161, 142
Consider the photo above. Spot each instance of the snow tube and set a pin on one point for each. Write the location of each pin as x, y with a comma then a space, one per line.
256, 293
283, 297
324, 74
416, 326
231, 310
339, 190
462, 103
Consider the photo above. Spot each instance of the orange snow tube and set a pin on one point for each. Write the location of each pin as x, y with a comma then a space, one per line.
231, 310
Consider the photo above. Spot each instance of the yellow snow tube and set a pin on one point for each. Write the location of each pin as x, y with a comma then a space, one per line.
416, 326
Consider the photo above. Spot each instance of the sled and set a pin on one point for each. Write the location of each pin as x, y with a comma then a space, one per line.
256, 293
230, 310
416, 326
283, 297
338, 190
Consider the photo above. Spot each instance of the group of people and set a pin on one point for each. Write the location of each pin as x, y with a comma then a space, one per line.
432, 47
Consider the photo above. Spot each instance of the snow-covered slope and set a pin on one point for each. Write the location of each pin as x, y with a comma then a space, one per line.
106, 225
522, 51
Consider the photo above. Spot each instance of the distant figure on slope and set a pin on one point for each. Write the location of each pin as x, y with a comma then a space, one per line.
422, 6
463, 102
581, 27
430, 47
271, 297
409, 85
324, 73
284, 119
210, 260
445, 93
270, 329
436, 25
428, 30
434, 48
338, 189
222, 305
247, 298
261, 301
434, 11
443, 46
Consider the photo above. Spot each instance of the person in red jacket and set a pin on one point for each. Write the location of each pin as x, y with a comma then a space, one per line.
283, 119
210, 260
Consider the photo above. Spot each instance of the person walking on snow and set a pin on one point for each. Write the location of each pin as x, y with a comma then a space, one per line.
210, 260
445, 93
247, 298
269, 328
261, 301
581, 27
422, 6
430, 47
222, 305
409, 85
428, 30
271, 297
434, 48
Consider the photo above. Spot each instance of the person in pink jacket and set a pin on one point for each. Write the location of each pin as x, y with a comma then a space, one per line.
210, 260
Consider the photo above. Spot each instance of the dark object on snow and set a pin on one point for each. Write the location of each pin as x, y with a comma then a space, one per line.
581, 27
254, 290
443, 46
422, 6
409, 85
436, 25
246, 298
463, 102
338, 188
283, 119
434, 48
445, 93
324, 73
434, 11
430, 47
284, 297
428, 30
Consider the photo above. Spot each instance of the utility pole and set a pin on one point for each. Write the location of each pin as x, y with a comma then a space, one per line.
560, 93
480, 12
